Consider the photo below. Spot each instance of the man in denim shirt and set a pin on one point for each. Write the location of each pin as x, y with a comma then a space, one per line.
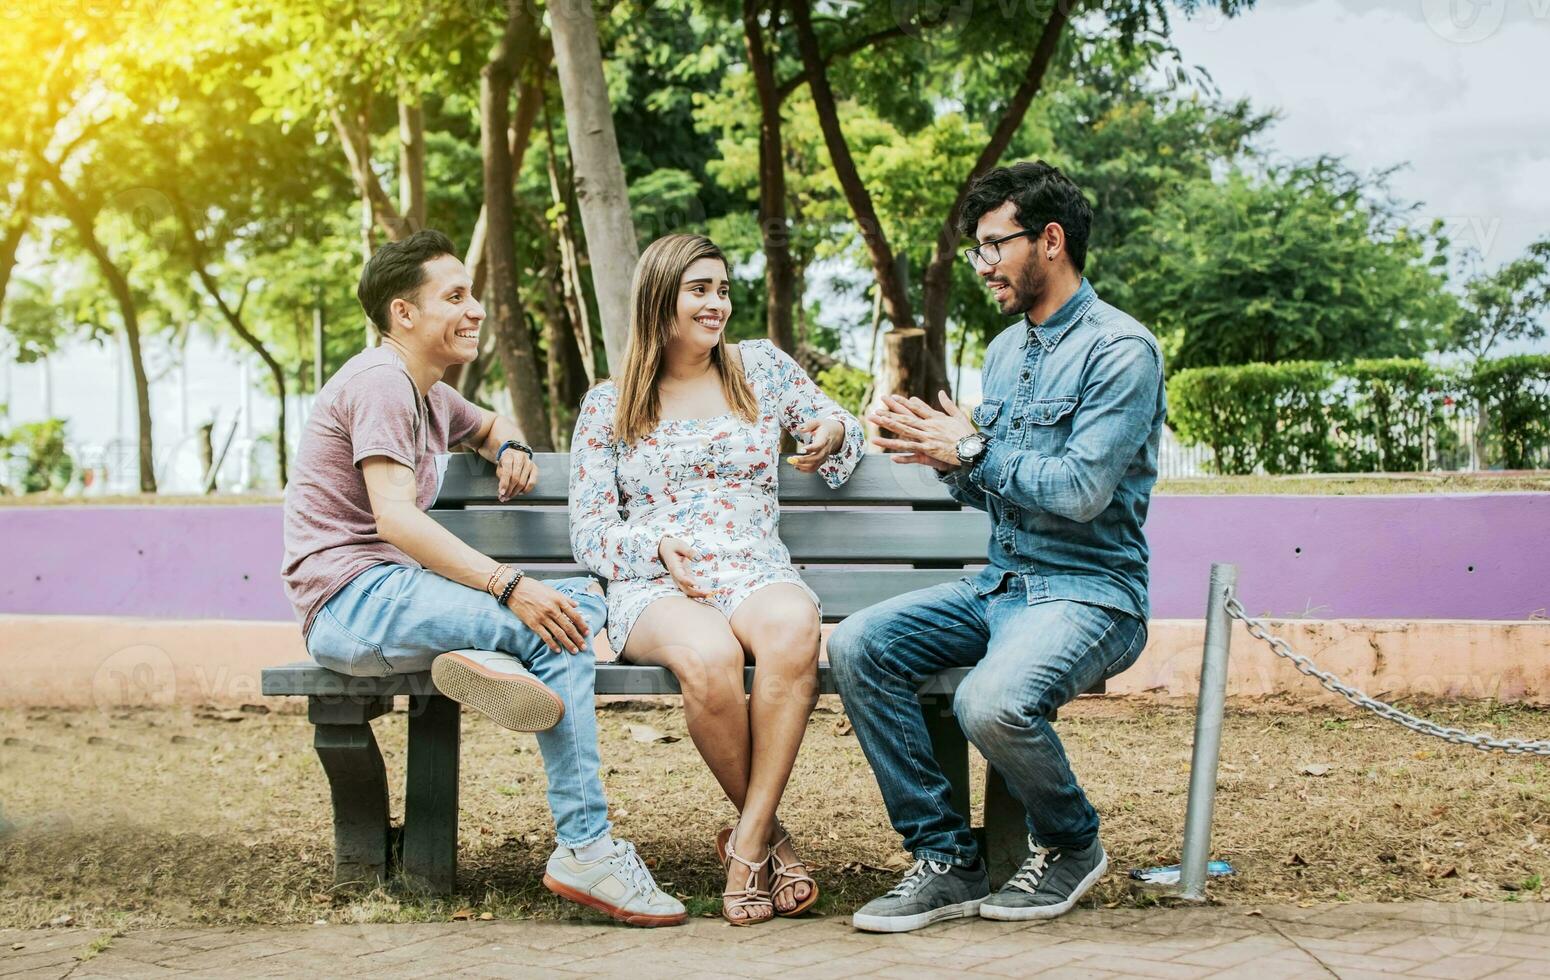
1062, 454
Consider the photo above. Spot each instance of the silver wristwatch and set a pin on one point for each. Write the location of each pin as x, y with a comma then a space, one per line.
971, 447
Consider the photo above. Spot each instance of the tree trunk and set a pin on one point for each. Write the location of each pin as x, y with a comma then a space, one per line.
938, 279
896, 300
529, 92
779, 270
904, 361
602, 197
411, 163
354, 131
514, 341
11, 235
233, 317
569, 266
118, 284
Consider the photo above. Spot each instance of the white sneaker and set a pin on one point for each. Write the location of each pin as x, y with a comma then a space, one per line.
497, 686
620, 885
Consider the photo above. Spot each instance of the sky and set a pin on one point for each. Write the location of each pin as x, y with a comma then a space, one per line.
1455, 90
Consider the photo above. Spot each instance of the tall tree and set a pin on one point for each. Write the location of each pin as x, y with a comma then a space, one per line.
599, 174
518, 47
1505, 306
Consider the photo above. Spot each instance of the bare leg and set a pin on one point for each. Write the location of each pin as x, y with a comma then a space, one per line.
779, 627
695, 642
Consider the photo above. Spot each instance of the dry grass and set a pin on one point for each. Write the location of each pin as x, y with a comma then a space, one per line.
172, 817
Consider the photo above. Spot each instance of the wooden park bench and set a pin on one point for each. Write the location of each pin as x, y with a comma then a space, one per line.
889, 530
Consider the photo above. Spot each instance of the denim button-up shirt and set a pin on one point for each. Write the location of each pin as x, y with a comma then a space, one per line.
1074, 408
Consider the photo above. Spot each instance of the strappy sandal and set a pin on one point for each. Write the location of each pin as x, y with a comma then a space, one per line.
785, 877
753, 900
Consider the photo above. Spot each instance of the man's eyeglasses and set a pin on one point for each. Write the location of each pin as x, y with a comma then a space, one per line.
990, 252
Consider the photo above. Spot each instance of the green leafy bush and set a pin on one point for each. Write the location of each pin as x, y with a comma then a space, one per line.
1367, 416
1270, 416
1514, 398
42, 445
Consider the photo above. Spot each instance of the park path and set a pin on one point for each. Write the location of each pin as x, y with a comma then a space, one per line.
1463, 940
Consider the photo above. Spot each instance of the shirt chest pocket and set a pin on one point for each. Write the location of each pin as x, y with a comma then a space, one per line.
1044, 424
985, 416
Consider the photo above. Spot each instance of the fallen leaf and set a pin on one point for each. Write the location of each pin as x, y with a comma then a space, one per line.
1254, 912
486, 916
322, 898
462, 915
254, 709
843, 726
1450, 873
1388, 858
647, 734
1316, 769
16, 946
1295, 861
1509, 886
63, 920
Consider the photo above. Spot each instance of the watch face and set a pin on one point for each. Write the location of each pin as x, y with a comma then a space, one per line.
970, 447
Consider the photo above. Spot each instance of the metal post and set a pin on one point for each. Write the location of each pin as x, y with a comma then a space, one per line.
1209, 709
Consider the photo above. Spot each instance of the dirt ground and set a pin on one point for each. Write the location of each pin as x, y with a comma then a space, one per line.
173, 817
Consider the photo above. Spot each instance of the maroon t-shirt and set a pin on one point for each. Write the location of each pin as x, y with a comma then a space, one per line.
369, 408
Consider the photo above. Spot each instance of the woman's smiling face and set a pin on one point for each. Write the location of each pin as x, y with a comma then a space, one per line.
704, 304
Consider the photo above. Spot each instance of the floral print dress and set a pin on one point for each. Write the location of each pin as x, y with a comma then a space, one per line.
710, 482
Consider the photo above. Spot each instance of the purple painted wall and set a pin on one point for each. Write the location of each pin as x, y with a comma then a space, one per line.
1421, 556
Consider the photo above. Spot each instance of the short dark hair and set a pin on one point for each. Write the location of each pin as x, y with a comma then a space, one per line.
1042, 195
397, 271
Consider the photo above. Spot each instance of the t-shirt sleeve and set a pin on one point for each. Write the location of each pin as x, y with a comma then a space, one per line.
463, 416
380, 413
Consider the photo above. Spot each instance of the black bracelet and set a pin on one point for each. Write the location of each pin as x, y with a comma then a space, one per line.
513, 444
511, 586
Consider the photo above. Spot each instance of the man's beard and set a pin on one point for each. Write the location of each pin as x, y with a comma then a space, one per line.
1025, 290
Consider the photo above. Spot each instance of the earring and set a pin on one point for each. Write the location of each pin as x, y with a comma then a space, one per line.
1051, 256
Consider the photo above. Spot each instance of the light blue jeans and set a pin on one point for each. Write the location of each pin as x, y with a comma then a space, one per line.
1026, 660
394, 619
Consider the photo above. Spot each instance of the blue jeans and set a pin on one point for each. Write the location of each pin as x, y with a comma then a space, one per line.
395, 619
1027, 660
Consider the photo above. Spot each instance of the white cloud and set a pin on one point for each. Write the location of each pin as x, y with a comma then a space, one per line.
1453, 89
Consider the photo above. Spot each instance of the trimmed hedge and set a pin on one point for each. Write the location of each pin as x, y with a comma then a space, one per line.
1367, 416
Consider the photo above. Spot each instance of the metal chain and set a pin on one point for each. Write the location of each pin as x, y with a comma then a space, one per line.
1257, 629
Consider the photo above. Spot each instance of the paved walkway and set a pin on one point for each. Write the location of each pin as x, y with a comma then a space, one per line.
1466, 940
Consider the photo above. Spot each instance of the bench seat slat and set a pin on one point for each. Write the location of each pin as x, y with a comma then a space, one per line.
306, 678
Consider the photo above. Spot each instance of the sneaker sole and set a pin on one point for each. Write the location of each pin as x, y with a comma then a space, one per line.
909, 923
612, 911
515, 701
1024, 913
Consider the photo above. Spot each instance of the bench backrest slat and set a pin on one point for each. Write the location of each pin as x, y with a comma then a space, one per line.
471, 480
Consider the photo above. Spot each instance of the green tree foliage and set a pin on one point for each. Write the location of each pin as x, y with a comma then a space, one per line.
1308, 262
1505, 306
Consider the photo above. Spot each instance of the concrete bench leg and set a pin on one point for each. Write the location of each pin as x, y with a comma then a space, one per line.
357, 781
1006, 829
430, 798
949, 746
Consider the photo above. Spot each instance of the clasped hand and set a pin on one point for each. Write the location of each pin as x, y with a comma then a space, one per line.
921, 433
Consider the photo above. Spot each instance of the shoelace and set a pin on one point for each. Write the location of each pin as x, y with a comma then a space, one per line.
914, 876
634, 869
1032, 871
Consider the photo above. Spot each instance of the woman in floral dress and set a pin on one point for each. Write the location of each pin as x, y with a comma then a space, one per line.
673, 501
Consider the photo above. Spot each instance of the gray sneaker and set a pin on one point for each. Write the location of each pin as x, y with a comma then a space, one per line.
1048, 884
929, 892
619, 884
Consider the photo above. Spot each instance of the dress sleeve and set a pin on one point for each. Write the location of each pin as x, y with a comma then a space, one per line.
799, 400
599, 536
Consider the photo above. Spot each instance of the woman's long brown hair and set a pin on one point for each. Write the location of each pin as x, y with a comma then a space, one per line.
653, 313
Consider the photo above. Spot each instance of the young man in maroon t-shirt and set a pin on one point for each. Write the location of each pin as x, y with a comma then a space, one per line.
381, 588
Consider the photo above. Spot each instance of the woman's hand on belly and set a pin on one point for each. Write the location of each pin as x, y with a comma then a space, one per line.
676, 554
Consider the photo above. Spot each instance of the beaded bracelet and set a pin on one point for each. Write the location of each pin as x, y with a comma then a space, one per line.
511, 587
